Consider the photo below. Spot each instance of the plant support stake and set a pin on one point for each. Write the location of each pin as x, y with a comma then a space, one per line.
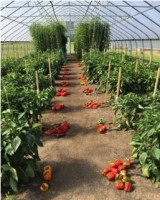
156, 83
108, 75
90, 53
50, 72
37, 82
136, 66
117, 93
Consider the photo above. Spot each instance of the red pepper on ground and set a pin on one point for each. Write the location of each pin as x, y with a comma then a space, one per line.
57, 107
59, 130
127, 187
114, 170
105, 171
101, 128
127, 163
92, 104
119, 185
118, 162
111, 176
62, 92
121, 167
64, 84
112, 165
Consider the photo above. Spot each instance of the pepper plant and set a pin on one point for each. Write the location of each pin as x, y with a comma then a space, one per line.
19, 149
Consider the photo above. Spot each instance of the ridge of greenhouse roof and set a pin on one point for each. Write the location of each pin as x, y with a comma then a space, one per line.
128, 20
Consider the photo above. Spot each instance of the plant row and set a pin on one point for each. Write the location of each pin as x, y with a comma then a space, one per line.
135, 108
48, 36
22, 107
92, 34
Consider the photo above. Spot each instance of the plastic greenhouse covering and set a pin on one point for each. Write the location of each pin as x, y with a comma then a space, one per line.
131, 22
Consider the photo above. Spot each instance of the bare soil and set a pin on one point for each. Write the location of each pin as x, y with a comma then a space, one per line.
79, 157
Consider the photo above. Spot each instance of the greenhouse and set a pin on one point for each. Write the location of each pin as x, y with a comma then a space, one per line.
80, 100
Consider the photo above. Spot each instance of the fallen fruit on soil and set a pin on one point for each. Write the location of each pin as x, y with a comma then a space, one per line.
105, 171
47, 173
119, 185
101, 127
64, 83
127, 187
62, 92
127, 163
59, 130
57, 107
116, 172
87, 91
111, 176
92, 104
44, 187
121, 167
118, 162
65, 78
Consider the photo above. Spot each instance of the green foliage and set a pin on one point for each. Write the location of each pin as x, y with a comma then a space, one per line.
96, 66
146, 143
130, 108
18, 149
18, 86
135, 107
21, 108
93, 34
48, 36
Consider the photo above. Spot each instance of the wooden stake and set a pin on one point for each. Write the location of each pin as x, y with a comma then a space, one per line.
150, 60
50, 71
123, 56
119, 81
136, 66
104, 52
117, 93
108, 75
37, 82
156, 82
90, 52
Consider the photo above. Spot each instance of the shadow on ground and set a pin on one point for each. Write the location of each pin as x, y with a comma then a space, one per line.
68, 175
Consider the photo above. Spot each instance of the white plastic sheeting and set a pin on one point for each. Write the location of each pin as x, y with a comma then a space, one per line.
129, 20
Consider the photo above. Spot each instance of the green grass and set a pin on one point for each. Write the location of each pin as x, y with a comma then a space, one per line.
155, 58
147, 55
16, 50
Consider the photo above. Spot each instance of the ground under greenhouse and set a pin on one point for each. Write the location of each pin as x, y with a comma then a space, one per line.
79, 157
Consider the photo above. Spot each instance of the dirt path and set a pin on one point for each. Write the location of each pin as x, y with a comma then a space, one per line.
79, 157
